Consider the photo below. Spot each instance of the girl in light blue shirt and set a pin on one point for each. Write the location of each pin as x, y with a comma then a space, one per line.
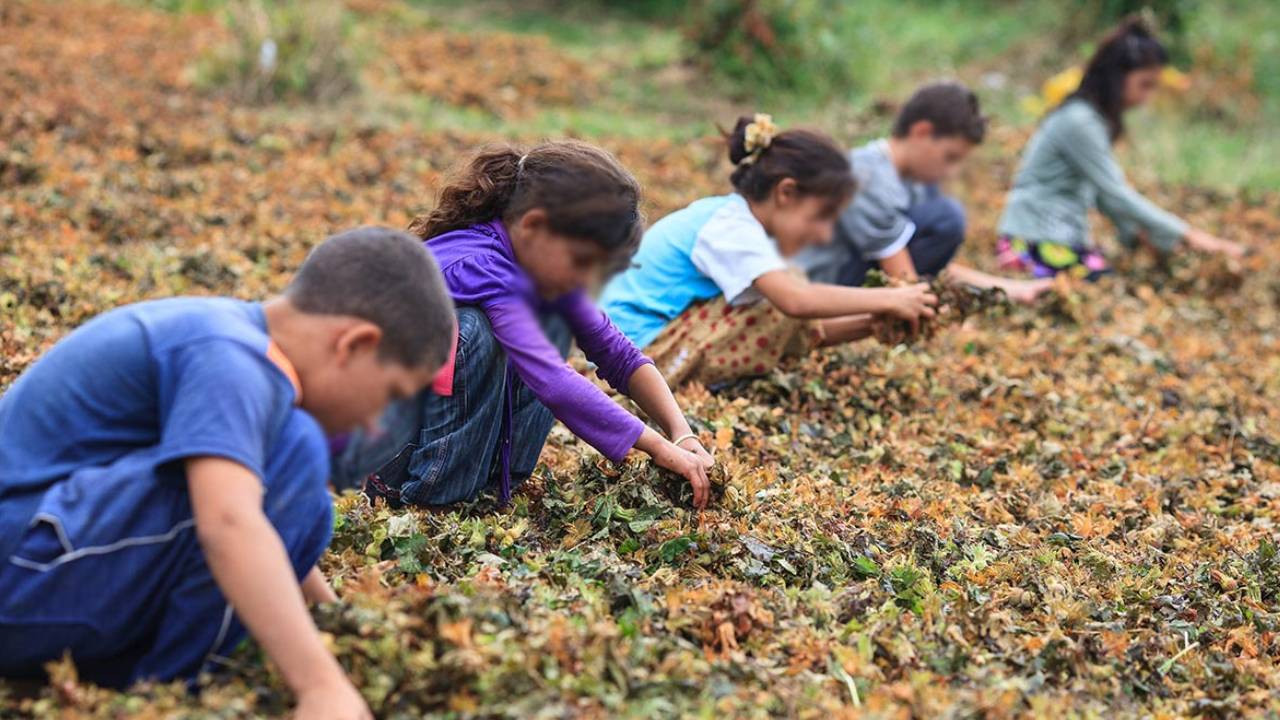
710, 295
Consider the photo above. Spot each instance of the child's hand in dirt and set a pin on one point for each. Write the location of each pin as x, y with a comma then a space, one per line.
1026, 292
691, 467
693, 445
912, 303
332, 701
1206, 243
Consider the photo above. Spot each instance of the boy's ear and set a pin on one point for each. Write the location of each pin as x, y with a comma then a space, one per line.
921, 129
355, 339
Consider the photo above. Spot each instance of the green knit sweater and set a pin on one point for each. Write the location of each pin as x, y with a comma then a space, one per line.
1067, 168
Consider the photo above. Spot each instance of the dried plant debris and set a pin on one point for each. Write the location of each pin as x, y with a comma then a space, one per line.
1068, 508
956, 303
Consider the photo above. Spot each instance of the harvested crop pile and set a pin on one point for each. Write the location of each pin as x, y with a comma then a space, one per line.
1071, 507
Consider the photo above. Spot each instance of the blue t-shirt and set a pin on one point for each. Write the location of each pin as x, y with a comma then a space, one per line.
142, 388
713, 247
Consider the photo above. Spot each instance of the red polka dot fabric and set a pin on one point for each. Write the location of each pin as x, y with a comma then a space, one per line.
713, 341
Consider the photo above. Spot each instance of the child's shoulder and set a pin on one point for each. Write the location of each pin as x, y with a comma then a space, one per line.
692, 218
184, 320
484, 243
173, 322
1075, 112
871, 162
733, 219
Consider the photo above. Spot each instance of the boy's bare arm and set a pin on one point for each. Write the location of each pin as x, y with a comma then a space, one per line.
249, 563
316, 589
1018, 290
899, 265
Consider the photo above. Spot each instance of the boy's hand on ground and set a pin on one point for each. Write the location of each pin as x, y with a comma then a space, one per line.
334, 701
1026, 291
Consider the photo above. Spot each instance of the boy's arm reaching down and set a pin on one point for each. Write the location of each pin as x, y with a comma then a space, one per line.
316, 589
899, 265
251, 567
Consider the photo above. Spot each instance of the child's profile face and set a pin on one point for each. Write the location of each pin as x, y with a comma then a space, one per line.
557, 264
803, 221
1140, 84
933, 159
355, 387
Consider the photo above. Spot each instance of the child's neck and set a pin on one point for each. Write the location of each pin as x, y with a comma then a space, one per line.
296, 333
898, 154
763, 213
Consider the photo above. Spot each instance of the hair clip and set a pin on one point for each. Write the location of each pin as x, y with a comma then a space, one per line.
757, 136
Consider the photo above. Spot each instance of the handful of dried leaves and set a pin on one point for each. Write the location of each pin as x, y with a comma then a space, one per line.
956, 302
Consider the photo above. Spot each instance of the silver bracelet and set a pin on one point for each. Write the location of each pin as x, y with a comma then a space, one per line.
686, 436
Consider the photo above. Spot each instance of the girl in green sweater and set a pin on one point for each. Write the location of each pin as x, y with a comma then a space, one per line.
1069, 166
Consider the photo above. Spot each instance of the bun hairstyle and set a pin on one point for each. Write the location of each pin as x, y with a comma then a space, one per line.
586, 193
1130, 46
764, 157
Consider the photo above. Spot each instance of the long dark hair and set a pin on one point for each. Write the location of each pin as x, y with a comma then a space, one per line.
812, 159
586, 193
1130, 46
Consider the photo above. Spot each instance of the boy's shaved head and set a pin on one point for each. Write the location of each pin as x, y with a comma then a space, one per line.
388, 278
950, 107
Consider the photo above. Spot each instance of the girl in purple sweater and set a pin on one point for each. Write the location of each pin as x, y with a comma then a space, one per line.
520, 236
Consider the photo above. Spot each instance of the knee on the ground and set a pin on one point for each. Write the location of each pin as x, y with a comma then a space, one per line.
475, 333
949, 220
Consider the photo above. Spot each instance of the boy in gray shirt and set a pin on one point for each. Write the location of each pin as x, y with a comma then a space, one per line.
899, 220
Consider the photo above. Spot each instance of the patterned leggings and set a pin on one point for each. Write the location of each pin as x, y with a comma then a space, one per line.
1046, 259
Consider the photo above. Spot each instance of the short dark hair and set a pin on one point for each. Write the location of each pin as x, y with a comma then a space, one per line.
388, 278
819, 167
950, 107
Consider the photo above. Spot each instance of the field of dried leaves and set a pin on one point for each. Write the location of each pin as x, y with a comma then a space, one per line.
1065, 509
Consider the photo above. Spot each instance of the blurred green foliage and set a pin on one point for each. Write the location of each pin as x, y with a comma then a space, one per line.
283, 50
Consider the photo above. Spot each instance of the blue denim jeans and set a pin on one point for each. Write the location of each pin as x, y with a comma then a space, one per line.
110, 570
939, 222
458, 439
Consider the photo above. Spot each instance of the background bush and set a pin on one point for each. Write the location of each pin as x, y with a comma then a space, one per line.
284, 50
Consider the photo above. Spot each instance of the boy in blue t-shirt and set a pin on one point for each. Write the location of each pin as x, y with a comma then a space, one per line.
166, 463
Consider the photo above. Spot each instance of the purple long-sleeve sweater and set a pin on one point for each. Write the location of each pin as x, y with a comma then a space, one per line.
481, 270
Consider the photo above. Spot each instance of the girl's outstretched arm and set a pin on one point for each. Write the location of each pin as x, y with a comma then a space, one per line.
799, 298
1202, 241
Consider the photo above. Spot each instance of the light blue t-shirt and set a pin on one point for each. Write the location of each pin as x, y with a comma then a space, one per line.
711, 248
139, 389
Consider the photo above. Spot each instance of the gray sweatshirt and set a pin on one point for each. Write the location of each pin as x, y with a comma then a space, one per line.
1067, 168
